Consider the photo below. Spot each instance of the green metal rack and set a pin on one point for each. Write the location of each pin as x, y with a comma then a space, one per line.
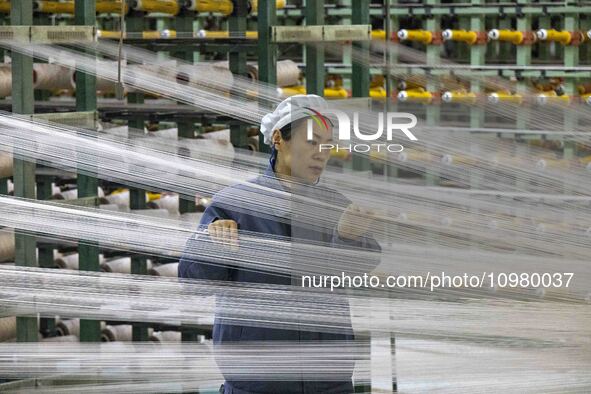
24, 172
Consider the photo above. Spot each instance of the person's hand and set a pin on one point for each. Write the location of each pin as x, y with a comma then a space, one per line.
355, 222
224, 232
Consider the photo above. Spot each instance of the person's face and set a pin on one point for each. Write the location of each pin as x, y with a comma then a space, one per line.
301, 157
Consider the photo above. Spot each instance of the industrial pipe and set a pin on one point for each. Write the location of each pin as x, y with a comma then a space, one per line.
422, 36
170, 7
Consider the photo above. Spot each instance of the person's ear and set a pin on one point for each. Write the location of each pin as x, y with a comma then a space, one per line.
276, 138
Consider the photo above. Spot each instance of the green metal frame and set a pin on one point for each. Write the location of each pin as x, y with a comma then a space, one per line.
237, 27
440, 9
267, 17
85, 15
360, 72
135, 23
314, 53
21, 13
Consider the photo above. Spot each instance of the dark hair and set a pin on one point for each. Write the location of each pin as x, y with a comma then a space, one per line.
286, 132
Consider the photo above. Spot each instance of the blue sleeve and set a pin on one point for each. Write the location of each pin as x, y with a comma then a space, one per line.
203, 267
363, 243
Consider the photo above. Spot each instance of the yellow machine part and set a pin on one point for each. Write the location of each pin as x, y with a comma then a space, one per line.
469, 37
224, 7
280, 4
170, 7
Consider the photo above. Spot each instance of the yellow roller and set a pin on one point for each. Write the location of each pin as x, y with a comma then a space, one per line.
108, 34
224, 7
110, 7
5, 7
170, 7
563, 37
415, 95
514, 37
329, 93
469, 37
53, 7
505, 97
56, 7
378, 35
150, 196
292, 90
461, 97
414, 155
336, 93
253, 35
254, 4
586, 98
341, 154
547, 163
423, 36
151, 35
378, 93
551, 97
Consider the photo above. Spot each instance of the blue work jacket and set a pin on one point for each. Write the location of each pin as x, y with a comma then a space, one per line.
225, 206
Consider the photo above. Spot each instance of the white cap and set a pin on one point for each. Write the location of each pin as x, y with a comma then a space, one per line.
447, 97
542, 34
291, 109
447, 34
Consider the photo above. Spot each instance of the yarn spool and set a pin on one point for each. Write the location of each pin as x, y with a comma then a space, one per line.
5, 81
102, 85
120, 198
166, 336
212, 77
67, 261
121, 332
69, 327
7, 245
170, 202
7, 328
52, 77
120, 266
288, 73
169, 270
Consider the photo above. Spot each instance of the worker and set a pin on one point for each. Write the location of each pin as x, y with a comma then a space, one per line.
295, 167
